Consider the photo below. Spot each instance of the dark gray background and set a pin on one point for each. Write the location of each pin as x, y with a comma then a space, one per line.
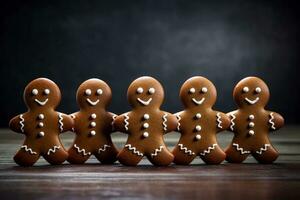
118, 41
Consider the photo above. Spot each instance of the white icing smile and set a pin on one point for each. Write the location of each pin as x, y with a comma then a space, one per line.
92, 103
145, 103
198, 102
41, 103
252, 102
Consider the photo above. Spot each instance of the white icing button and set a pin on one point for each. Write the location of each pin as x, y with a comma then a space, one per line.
41, 116
146, 134
41, 124
251, 124
198, 128
146, 116
41, 134
93, 116
93, 124
251, 132
198, 115
251, 117
146, 125
198, 137
93, 133
34, 91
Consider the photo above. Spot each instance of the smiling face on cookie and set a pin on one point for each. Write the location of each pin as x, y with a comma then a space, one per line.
93, 93
198, 91
145, 92
251, 91
42, 93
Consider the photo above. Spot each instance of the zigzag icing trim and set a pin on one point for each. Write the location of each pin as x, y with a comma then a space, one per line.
209, 149
53, 149
103, 149
156, 151
262, 149
113, 117
271, 121
165, 122
133, 150
60, 121
22, 120
219, 120
186, 150
81, 150
28, 149
126, 122
178, 122
238, 148
232, 121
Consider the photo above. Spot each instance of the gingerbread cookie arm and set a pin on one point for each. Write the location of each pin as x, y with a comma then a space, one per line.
17, 124
169, 122
232, 118
65, 122
276, 121
223, 121
121, 123
113, 116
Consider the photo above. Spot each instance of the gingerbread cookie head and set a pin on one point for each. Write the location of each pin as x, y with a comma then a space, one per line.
198, 91
145, 92
93, 93
251, 91
42, 93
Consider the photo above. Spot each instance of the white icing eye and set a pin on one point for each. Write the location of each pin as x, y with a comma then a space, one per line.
245, 89
35, 92
47, 91
88, 92
151, 90
140, 90
192, 90
99, 91
204, 89
258, 90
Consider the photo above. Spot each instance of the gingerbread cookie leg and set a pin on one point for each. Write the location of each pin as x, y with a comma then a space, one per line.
107, 154
161, 156
266, 154
183, 155
130, 156
56, 155
26, 156
236, 154
213, 155
78, 155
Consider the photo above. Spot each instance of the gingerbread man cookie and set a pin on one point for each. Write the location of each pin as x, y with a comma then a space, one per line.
251, 123
93, 124
199, 123
145, 124
41, 124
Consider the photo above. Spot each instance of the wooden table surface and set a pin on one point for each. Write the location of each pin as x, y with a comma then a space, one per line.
249, 180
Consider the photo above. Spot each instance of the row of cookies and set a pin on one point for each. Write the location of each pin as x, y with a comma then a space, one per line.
146, 124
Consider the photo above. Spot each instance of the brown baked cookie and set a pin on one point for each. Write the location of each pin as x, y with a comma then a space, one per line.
41, 124
145, 124
198, 123
93, 124
251, 123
